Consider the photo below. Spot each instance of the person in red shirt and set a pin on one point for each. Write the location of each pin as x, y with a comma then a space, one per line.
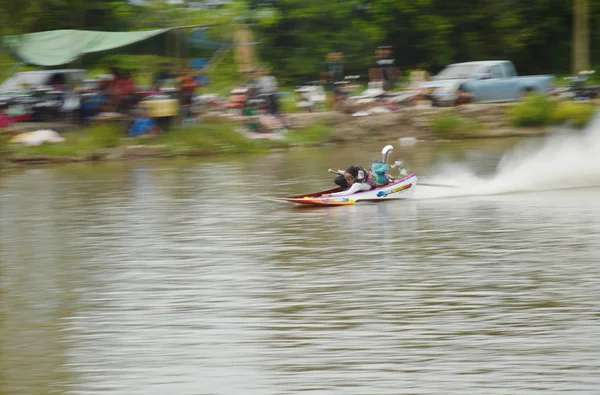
125, 92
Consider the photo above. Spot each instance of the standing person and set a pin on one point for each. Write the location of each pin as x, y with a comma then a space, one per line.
387, 66
187, 88
335, 67
267, 87
58, 82
125, 91
112, 91
252, 84
161, 78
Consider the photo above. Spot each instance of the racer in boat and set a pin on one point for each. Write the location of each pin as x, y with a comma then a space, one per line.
379, 175
355, 179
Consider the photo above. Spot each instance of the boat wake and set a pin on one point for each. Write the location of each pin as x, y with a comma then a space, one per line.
561, 161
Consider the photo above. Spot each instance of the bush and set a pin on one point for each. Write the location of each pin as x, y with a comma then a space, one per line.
539, 110
535, 110
454, 126
577, 114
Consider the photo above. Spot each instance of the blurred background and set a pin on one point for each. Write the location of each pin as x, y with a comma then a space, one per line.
138, 140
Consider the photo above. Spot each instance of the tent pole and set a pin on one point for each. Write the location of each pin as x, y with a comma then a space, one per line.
178, 35
194, 26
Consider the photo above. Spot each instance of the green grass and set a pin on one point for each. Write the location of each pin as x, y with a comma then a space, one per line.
288, 102
103, 136
78, 144
51, 151
3, 144
218, 137
207, 139
451, 126
313, 135
594, 78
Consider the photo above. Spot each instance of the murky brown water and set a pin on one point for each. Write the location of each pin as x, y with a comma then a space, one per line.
169, 278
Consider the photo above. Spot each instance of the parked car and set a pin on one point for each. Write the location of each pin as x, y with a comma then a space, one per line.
484, 82
36, 79
28, 95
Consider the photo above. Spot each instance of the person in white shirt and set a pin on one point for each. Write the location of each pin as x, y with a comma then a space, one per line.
356, 178
267, 87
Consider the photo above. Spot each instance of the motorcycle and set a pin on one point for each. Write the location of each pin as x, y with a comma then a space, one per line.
578, 90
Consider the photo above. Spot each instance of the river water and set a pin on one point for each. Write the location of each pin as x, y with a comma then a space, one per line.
174, 278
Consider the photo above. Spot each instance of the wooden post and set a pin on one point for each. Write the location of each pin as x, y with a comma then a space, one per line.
244, 53
581, 36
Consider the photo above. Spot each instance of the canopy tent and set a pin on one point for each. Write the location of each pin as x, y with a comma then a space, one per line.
60, 47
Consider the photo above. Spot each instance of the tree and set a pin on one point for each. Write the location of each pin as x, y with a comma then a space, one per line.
27, 16
299, 34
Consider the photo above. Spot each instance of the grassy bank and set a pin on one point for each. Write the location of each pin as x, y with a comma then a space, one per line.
534, 114
540, 110
107, 142
454, 127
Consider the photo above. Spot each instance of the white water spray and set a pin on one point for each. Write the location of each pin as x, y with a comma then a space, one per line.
560, 161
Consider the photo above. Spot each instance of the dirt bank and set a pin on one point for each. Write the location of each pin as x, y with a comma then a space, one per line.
417, 122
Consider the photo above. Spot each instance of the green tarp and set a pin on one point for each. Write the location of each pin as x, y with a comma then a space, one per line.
59, 47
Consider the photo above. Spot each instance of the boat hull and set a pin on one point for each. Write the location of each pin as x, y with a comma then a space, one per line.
401, 189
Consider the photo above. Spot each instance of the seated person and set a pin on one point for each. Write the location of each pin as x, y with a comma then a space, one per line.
379, 174
143, 125
464, 96
355, 178
92, 104
5, 121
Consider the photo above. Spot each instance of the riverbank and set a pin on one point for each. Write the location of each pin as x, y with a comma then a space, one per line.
535, 116
105, 142
219, 135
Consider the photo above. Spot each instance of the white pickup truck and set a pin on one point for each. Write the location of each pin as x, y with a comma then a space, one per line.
487, 81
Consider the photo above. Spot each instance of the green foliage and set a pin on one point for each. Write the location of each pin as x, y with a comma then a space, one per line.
539, 110
535, 110
313, 135
431, 32
296, 35
223, 76
577, 114
451, 126
288, 103
299, 33
40, 15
